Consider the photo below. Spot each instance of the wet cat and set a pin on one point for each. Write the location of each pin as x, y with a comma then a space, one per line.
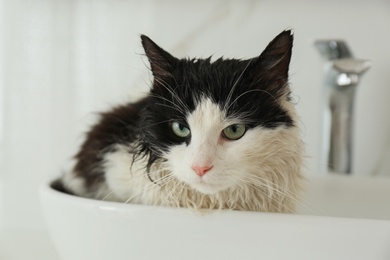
217, 134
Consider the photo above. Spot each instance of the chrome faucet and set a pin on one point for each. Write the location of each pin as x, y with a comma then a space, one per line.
342, 75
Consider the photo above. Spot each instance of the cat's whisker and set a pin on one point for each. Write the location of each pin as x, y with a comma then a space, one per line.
160, 122
107, 196
174, 105
250, 91
270, 194
236, 83
164, 181
168, 106
128, 200
296, 197
173, 94
266, 192
145, 190
177, 188
269, 184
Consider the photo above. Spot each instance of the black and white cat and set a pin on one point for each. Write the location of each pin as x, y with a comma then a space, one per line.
210, 135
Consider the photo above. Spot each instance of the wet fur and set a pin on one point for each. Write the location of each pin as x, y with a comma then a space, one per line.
131, 155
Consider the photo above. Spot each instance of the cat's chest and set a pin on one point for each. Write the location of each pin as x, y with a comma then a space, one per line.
127, 178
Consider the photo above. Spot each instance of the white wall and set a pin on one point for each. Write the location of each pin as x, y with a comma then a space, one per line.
65, 60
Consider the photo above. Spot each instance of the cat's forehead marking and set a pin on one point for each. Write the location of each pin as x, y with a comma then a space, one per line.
206, 123
206, 115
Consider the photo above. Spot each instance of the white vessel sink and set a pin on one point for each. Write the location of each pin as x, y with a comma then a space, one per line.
339, 218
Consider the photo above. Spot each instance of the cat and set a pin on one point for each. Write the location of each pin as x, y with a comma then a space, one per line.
217, 134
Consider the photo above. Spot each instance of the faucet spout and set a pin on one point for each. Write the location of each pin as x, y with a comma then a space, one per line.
342, 75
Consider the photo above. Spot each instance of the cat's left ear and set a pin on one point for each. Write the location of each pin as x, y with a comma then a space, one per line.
161, 62
273, 63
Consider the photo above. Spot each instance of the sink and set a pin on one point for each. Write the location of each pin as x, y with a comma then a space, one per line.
339, 217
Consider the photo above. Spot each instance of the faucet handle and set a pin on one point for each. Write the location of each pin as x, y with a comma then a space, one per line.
352, 66
333, 49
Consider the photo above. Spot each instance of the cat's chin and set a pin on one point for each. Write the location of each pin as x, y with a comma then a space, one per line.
207, 188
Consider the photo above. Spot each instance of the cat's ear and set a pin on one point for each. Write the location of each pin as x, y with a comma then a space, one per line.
161, 62
273, 63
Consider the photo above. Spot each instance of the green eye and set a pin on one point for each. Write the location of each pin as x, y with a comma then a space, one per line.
234, 132
180, 130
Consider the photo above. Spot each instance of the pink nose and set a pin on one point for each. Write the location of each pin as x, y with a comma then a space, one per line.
201, 170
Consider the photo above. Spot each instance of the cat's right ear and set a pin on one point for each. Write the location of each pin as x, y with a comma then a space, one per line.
161, 62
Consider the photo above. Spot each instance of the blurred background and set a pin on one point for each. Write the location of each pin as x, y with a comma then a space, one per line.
63, 61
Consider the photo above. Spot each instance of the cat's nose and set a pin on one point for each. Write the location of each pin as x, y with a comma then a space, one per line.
201, 169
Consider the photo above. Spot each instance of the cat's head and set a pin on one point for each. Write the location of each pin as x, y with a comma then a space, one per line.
220, 124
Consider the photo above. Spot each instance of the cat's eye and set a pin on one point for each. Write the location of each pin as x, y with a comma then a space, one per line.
180, 130
234, 132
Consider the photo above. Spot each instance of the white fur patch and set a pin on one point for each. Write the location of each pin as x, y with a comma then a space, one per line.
74, 183
128, 181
